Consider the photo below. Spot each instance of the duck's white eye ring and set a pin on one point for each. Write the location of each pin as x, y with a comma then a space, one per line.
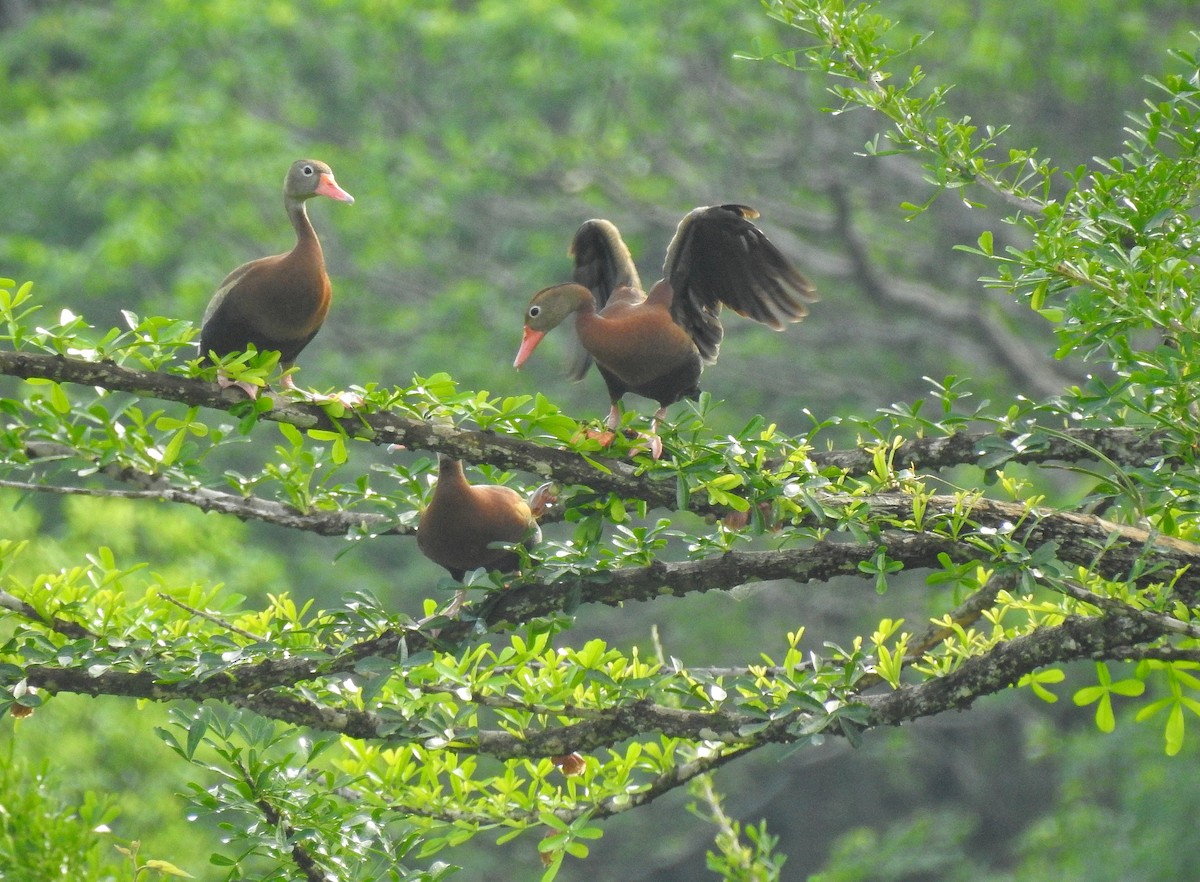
307, 170
535, 311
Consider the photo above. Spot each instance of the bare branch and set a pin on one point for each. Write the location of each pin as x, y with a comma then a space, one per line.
216, 620
1111, 604
246, 508
955, 316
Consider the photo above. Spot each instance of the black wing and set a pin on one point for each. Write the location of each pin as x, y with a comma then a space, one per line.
718, 257
602, 264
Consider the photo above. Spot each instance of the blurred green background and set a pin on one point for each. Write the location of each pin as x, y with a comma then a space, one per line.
144, 147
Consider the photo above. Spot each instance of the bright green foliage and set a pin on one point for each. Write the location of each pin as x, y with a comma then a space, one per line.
735, 859
1101, 696
42, 838
328, 734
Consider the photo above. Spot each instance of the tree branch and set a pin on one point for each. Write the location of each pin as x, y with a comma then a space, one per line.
1082, 539
956, 317
74, 630
661, 784
1004, 664
380, 428
246, 508
1122, 445
300, 856
1115, 551
1112, 636
1111, 549
910, 123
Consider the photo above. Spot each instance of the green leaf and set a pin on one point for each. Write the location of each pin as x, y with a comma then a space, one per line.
1089, 694
291, 433
509, 836
196, 732
59, 399
985, 242
1175, 730
171, 451
167, 869
338, 451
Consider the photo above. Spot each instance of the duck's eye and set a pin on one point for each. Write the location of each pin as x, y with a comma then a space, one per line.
308, 171
535, 311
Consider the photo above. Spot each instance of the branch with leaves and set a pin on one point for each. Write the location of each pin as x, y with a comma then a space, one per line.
1039, 534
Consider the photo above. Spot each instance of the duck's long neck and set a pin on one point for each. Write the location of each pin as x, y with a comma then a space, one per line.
590, 322
452, 480
308, 246
583, 300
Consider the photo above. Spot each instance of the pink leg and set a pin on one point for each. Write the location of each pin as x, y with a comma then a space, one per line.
614, 418
653, 442
612, 421
224, 382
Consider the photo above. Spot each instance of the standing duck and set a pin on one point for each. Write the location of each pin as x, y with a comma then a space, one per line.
656, 345
279, 302
464, 524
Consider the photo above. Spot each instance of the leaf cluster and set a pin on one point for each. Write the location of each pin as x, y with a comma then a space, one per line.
350, 740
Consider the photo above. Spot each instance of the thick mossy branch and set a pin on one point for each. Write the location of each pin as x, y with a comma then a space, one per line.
1104, 637
380, 428
1101, 637
1122, 445
818, 563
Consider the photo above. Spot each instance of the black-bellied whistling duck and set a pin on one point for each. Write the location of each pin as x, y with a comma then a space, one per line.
464, 524
657, 344
279, 302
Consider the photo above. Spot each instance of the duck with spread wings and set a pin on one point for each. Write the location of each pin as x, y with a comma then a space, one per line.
656, 344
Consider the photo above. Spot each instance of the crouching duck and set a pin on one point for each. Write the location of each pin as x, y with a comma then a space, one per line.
466, 526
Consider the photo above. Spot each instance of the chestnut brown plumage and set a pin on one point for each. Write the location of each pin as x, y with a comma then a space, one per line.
465, 525
279, 302
656, 344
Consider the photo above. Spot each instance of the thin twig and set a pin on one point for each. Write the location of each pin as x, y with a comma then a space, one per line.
300, 856
1111, 604
216, 620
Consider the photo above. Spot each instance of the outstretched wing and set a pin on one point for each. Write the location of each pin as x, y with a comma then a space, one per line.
602, 265
718, 257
